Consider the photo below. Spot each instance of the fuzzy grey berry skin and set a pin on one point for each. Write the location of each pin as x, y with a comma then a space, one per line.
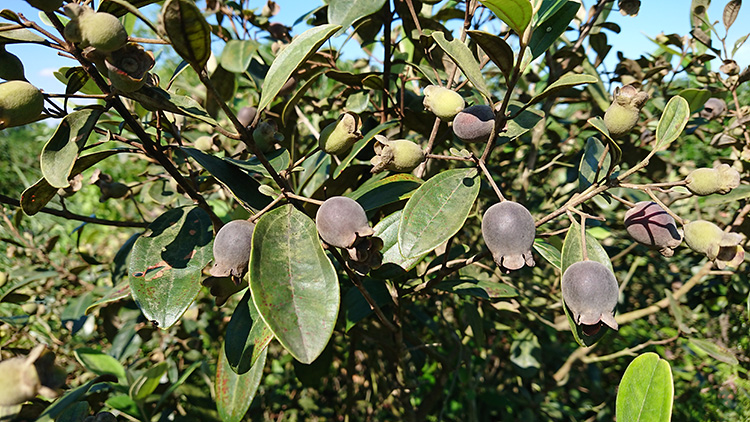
649, 224
508, 230
341, 221
590, 291
474, 124
232, 249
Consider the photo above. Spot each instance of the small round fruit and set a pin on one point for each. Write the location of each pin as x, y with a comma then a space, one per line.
20, 103
341, 221
705, 181
590, 291
707, 238
246, 115
475, 123
20, 381
623, 114
339, 136
443, 102
400, 155
232, 249
508, 230
204, 143
103, 31
649, 224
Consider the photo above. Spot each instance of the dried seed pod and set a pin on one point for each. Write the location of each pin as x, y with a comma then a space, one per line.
398, 156
713, 108
341, 221
475, 123
127, 67
720, 179
709, 239
20, 103
623, 113
443, 102
508, 230
649, 224
590, 291
338, 137
232, 249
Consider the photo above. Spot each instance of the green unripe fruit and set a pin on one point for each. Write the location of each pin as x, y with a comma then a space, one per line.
20, 103
443, 102
475, 123
338, 137
705, 181
341, 221
649, 224
624, 112
232, 249
100, 30
508, 231
204, 143
46, 5
11, 67
707, 238
20, 381
265, 136
399, 156
590, 291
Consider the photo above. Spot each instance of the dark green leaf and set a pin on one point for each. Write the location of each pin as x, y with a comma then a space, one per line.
144, 385
478, 288
100, 363
279, 160
496, 49
672, 122
696, 98
646, 391
188, 31
566, 81
113, 8
166, 264
294, 285
520, 123
462, 56
235, 393
386, 191
237, 55
119, 292
394, 264
614, 150
71, 396
515, 13
593, 167
246, 337
437, 211
154, 98
354, 306
548, 31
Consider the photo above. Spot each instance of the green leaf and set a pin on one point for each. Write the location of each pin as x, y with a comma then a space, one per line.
237, 55
672, 122
521, 122
515, 13
144, 385
696, 98
345, 12
21, 35
548, 31
166, 264
70, 398
242, 186
118, 10
119, 292
294, 285
437, 211
394, 264
465, 60
646, 391
354, 306
477, 288
385, 191
61, 151
100, 363
496, 49
566, 81
291, 57
590, 171
715, 351
548, 252
279, 160
188, 31
154, 98
235, 393
614, 149
737, 194
361, 144
246, 337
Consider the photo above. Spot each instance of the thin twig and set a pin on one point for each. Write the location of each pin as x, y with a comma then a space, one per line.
71, 216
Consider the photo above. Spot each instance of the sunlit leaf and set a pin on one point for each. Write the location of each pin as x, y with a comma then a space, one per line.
61, 151
235, 393
672, 122
515, 13
188, 31
646, 391
246, 337
465, 60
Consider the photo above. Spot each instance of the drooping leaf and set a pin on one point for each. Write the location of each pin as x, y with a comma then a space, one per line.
100, 363
166, 264
144, 385
437, 211
496, 49
345, 12
566, 81
695, 97
119, 292
595, 161
521, 122
286, 63
237, 55
548, 252
188, 31
515, 13
388, 190
278, 159
294, 285
154, 98
549, 30
61, 151
672, 122
70, 397
246, 337
646, 391
715, 351
235, 393
462, 56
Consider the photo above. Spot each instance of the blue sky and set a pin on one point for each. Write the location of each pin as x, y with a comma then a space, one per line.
670, 16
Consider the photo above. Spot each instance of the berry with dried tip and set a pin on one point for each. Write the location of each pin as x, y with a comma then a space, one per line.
649, 224
720, 179
475, 123
341, 221
443, 102
508, 230
623, 113
127, 67
20, 103
100, 30
338, 137
709, 239
400, 155
232, 249
590, 291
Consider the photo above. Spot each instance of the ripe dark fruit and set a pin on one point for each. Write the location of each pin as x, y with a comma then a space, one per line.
649, 224
508, 230
246, 115
474, 124
623, 114
232, 249
590, 292
705, 181
20, 103
341, 221
400, 155
443, 102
